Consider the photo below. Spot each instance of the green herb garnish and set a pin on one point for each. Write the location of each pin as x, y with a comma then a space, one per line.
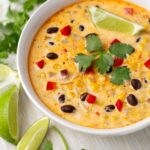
84, 61
62, 137
103, 60
121, 50
120, 74
10, 29
93, 42
48, 145
104, 63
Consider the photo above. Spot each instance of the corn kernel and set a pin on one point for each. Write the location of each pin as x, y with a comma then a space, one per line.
56, 66
42, 75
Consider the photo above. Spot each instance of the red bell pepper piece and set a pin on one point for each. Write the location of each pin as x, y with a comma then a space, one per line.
91, 99
119, 105
115, 41
51, 85
129, 11
40, 64
118, 62
66, 31
147, 64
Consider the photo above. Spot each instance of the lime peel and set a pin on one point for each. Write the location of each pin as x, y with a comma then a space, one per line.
9, 129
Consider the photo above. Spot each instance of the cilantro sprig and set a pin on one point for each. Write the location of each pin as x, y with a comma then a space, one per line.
121, 50
120, 74
10, 29
103, 60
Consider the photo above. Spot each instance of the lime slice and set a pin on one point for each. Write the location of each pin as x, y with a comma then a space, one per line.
109, 21
34, 136
8, 77
4, 71
8, 114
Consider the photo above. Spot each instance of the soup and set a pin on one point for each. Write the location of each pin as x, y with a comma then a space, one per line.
90, 75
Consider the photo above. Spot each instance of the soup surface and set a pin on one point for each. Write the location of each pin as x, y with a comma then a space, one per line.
72, 86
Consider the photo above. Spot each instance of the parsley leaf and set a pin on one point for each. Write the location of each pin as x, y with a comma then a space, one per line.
48, 145
84, 61
121, 50
93, 42
120, 74
104, 63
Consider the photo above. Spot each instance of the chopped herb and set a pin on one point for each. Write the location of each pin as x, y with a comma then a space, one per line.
93, 42
62, 137
120, 74
84, 61
48, 145
104, 63
10, 31
121, 50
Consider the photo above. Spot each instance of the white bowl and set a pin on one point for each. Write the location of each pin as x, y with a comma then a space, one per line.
38, 18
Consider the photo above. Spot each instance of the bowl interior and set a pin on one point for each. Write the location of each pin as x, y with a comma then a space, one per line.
38, 18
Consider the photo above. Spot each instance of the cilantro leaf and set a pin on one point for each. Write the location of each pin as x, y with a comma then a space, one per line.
48, 145
14, 0
93, 42
62, 137
104, 63
84, 61
10, 31
29, 4
120, 74
121, 50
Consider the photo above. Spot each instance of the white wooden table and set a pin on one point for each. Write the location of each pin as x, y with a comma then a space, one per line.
28, 113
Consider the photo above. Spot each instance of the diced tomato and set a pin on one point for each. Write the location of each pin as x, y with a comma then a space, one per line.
91, 99
97, 113
66, 31
119, 105
147, 64
89, 70
115, 41
40, 64
129, 11
51, 85
118, 62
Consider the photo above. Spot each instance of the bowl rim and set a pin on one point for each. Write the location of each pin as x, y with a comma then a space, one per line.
22, 66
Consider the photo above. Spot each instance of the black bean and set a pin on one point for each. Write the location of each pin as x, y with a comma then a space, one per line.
51, 43
61, 98
81, 28
132, 100
136, 84
109, 108
52, 30
52, 56
138, 39
110, 70
68, 108
83, 96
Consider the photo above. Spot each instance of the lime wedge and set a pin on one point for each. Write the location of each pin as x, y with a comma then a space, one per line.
8, 114
4, 71
34, 136
109, 21
8, 77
